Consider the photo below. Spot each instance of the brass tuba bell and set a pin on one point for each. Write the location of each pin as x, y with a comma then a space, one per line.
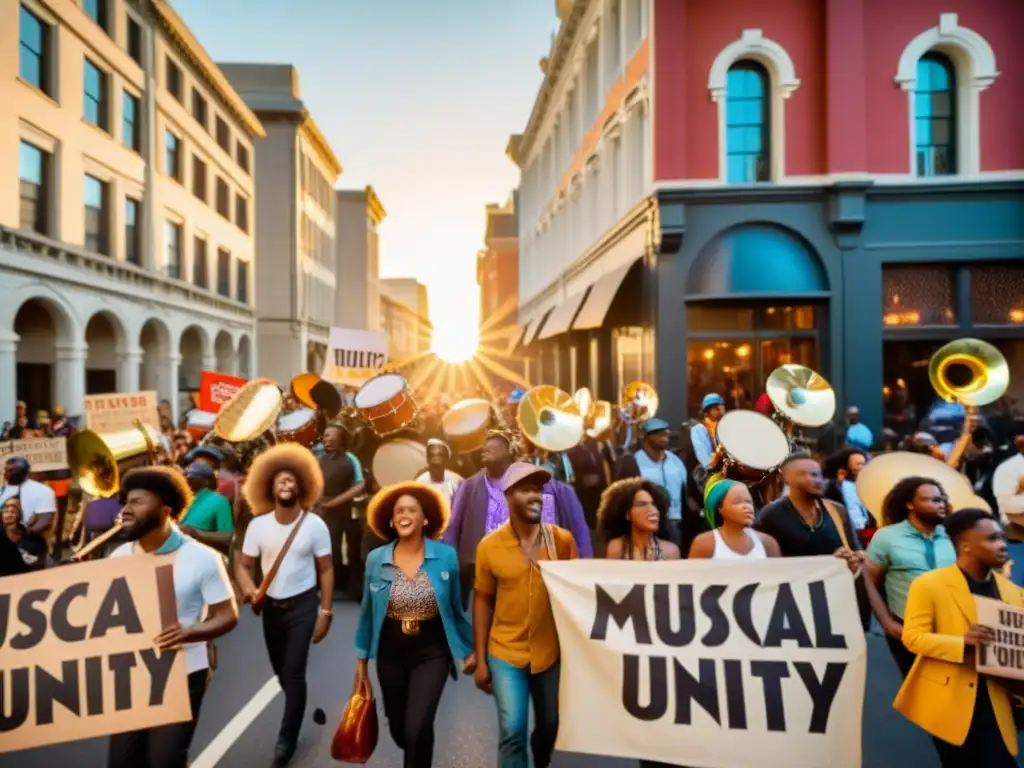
550, 419
988, 370
640, 399
98, 460
801, 396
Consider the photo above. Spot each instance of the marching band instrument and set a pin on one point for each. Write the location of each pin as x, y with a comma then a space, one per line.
250, 413
550, 419
316, 394
398, 461
85, 551
585, 402
801, 396
880, 474
988, 369
96, 459
641, 400
466, 423
599, 425
387, 404
299, 426
751, 446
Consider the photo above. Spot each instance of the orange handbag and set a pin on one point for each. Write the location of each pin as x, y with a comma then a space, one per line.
357, 733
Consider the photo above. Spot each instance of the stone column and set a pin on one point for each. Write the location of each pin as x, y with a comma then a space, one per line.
168, 382
71, 377
232, 363
210, 362
8, 375
129, 364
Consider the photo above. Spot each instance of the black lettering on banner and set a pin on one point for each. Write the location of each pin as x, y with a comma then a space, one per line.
771, 674
63, 690
59, 621
735, 697
357, 358
676, 638
703, 690
786, 622
94, 685
657, 671
117, 610
823, 635
632, 608
743, 612
1011, 619
822, 692
14, 688
5, 609
33, 619
159, 667
121, 665
709, 603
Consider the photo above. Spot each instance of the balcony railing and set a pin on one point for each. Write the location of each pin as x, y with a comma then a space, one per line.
134, 280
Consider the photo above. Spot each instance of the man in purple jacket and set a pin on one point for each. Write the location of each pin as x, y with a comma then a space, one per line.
479, 507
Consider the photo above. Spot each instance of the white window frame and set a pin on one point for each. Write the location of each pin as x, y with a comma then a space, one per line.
975, 64
783, 81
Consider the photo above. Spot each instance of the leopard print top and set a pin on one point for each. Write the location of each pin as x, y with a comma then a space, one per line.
412, 599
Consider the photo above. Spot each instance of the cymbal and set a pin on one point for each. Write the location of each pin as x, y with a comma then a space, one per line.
550, 419
802, 395
880, 474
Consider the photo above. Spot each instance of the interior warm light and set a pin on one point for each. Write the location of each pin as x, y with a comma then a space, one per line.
743, 351
709, 354
1017, 315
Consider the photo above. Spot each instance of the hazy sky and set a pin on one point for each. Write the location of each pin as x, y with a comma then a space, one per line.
417, 98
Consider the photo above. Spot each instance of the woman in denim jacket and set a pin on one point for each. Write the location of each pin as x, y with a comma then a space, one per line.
411, 619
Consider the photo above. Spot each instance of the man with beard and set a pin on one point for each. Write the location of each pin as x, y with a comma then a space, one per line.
343, 483
514, 632
154, 498
480, 508
283, 485
913, 542
969, 715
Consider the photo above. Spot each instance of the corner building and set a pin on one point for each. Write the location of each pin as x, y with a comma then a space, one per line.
126, 242
710, 190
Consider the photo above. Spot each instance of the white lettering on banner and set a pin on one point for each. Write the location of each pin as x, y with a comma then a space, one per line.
220, 392
710, 663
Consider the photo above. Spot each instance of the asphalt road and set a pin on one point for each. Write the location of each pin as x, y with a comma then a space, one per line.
466, 734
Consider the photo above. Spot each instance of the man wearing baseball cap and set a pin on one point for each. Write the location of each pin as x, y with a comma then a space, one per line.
703, 435
656, 463
514, 632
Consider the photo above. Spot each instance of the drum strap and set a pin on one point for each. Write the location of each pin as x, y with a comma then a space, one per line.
837, 521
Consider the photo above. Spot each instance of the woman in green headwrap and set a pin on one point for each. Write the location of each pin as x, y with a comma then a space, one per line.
734, 538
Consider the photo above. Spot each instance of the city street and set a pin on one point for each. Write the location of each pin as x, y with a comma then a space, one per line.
240, 715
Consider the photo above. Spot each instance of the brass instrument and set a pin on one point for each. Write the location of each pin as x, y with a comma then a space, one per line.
801, 396
599, 424
988, 369
550, 419
640, 400
880, 474
316, 393
585, 402
250, 413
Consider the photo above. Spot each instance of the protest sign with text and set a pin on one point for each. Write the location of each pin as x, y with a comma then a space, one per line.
77, 659
716, 664
117, 413
215, 389
355, 356
44, 454
1004, 656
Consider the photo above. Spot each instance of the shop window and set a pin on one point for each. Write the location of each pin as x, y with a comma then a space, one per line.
747, 122
918, 295
997, 294
704, 318
788, 318
633, 358
725, 367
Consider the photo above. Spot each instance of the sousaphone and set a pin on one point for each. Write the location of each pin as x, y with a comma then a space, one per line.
970, 372
880, 474
801, 396
640, 400
550, 419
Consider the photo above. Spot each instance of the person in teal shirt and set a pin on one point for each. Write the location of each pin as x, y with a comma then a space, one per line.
208, 519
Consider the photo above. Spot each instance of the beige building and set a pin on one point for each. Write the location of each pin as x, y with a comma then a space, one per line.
358, 300
126, 247
295, 222
405, 315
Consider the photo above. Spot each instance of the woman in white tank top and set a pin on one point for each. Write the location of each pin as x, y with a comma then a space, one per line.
734, 539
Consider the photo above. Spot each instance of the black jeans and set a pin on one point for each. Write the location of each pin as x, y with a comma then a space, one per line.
412, 671
288, 631
904, 658
342, 523
984, 745
165, 746
467, 575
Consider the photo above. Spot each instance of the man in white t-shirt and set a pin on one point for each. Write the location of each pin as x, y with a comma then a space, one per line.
438, 476
283, 484
154, 498
38, 501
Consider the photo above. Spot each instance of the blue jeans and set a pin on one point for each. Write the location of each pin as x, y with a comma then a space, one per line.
513, 688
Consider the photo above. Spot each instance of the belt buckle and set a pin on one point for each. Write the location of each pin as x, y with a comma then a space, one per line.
410, 627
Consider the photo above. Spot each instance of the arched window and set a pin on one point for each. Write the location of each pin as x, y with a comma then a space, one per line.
935, 116
748, 123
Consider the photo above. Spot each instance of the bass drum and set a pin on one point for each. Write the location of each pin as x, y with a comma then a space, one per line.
398, 461
752, 445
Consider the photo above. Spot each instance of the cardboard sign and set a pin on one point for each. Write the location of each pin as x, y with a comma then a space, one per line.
355, 356
215, 389
76, 652
1005, 656
116, 413
44, 454
707, 662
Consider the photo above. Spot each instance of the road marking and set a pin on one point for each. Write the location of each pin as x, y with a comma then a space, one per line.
233, 731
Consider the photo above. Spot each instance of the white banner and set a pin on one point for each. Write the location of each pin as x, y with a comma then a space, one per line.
710, 664
44, 454
355, 356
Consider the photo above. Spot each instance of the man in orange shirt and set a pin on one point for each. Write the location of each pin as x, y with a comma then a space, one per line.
513, 627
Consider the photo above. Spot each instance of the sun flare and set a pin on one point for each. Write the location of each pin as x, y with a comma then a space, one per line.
455, 343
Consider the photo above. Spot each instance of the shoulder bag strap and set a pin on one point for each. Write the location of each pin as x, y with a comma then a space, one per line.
268, 579
549, 541
837, 521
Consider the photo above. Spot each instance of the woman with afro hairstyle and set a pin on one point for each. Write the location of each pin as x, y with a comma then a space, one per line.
633, 517
411, 619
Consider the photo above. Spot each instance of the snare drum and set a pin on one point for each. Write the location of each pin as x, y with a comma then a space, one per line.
199, 423
297, 426
753, 445
387, 404
465, 425
398, 461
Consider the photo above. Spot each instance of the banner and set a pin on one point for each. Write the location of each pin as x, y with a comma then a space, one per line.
115, 413
707, 663
76, 652
355, 356
44, 454
215, 389
1005, 656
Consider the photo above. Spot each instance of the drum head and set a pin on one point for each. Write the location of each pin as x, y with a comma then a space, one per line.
293, 420
467, 417
398, 461
379, 389
753, 439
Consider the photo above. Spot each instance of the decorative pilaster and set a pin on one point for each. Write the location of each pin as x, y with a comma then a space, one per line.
129, 365
71, 377
168, 381
8, 375
210, 363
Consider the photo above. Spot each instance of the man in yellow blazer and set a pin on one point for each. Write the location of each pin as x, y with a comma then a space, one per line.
969, 716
